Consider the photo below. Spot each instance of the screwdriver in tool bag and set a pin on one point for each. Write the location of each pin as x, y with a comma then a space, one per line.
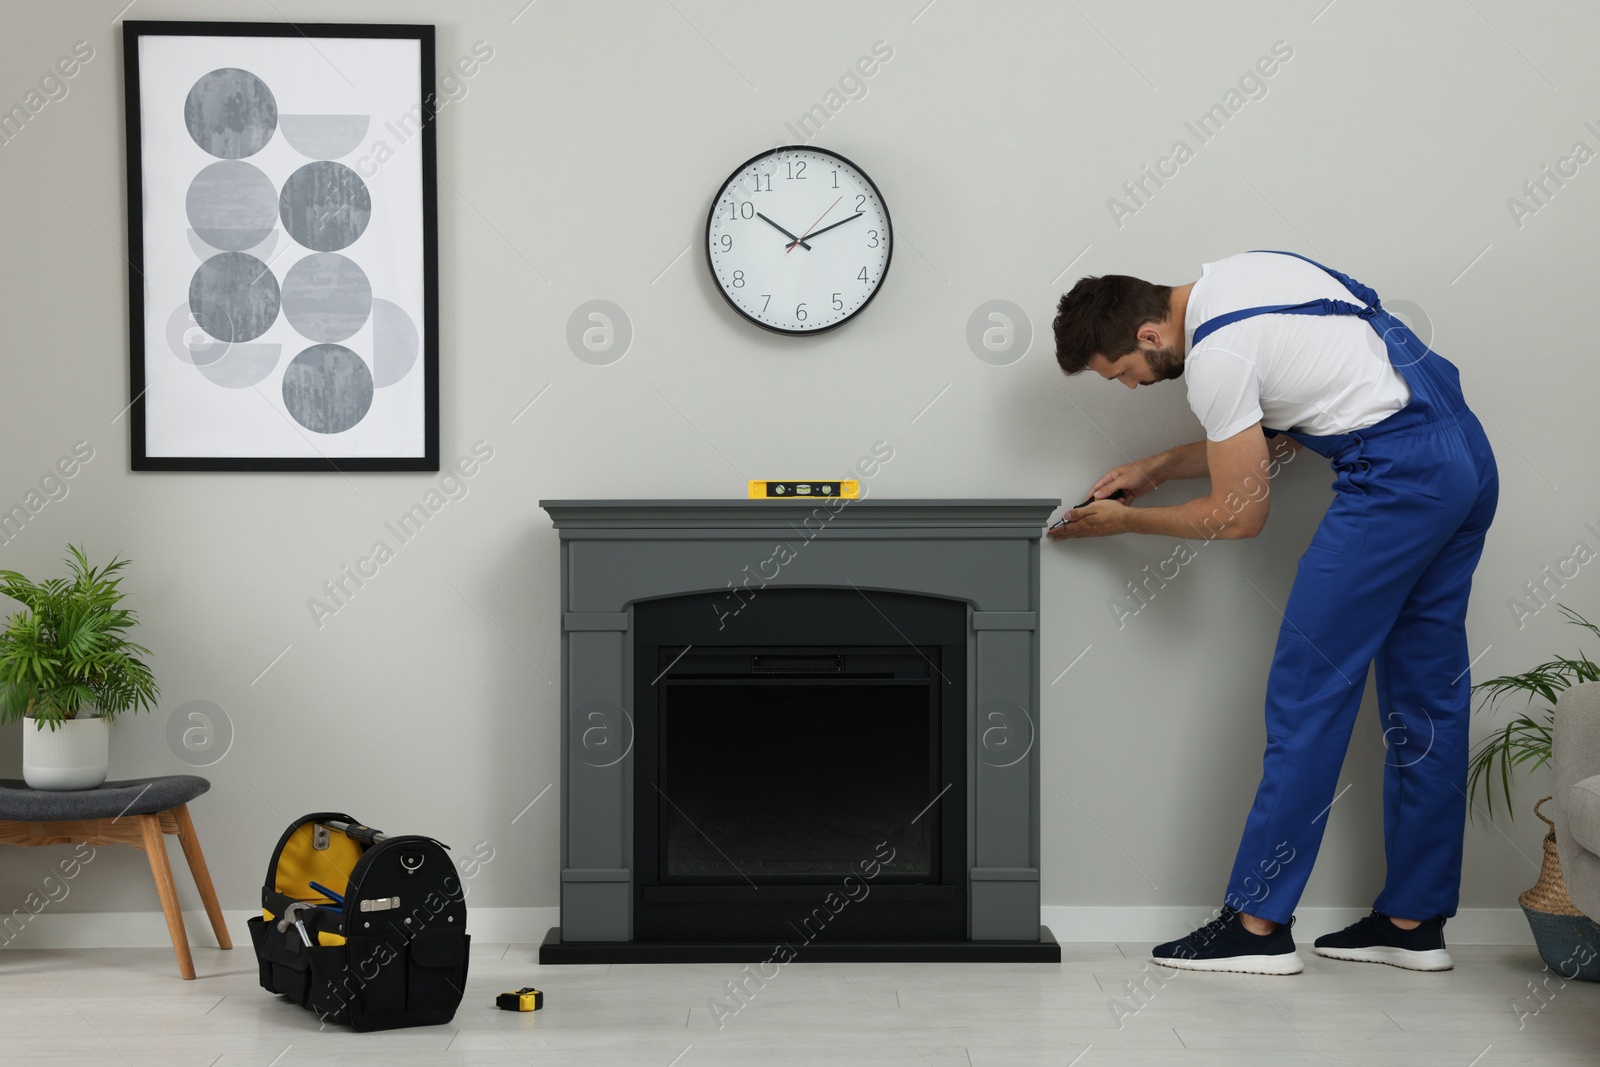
337, 898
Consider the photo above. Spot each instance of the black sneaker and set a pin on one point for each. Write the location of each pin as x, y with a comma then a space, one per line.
1377, 940
1223, 944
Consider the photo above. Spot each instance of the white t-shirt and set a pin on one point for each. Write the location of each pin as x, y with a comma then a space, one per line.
1318, 374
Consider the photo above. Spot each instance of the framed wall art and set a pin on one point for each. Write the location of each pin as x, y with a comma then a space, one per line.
283, 241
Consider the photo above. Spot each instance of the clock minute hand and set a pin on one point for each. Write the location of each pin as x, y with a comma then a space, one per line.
814, 234
813, 226
783, 231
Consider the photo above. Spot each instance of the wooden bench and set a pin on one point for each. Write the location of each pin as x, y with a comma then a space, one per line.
136, 813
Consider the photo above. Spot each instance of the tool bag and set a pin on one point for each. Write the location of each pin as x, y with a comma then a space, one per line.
363, 928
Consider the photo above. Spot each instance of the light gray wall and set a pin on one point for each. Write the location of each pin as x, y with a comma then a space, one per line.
580, 165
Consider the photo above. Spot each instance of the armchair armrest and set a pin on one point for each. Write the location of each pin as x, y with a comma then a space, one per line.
1576, 756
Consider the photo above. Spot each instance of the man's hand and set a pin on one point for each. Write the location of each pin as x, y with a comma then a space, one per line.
1099, 519
1134, 479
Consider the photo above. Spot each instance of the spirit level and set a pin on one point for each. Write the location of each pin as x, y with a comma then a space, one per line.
850, 489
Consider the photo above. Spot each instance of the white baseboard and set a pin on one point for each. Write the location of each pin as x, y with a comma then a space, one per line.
148, 929
1471, 926
516, 926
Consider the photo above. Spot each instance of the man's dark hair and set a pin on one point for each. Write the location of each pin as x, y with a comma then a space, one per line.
1103, 315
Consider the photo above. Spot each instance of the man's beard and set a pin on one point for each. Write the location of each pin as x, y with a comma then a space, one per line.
1165, 363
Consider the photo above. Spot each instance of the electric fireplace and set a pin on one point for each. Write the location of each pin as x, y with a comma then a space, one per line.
799, 724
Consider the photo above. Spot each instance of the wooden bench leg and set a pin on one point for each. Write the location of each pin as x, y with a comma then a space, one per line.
155, 847
202, 875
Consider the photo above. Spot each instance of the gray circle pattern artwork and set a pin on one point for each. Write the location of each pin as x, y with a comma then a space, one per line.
232, 205
324, 136
327, 388
325, 206
326, 296
394, 343
189, 342
262, 251
242, 366
234, 297
231, 113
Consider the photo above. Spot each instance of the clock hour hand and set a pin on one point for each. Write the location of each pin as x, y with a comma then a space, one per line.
783, 231
817, 233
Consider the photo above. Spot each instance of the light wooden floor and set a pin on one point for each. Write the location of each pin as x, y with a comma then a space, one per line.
128, 1007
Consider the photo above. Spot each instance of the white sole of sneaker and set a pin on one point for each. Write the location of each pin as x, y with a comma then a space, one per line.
1433, 959
1282, 963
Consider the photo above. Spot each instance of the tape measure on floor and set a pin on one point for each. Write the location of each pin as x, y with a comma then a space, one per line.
525, 999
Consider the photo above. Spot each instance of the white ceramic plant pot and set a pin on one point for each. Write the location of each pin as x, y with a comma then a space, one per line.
74, 755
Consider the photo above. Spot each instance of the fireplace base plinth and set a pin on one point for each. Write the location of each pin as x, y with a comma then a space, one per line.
556, 951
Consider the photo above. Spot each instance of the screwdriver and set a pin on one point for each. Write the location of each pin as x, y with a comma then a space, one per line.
1117, 495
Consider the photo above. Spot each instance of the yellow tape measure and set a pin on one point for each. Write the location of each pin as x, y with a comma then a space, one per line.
525, 999
848, 489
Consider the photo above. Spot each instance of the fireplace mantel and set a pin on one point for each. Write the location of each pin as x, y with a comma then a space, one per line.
617, 553
947, 518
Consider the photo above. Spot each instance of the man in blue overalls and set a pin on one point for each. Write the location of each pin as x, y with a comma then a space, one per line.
1273, 344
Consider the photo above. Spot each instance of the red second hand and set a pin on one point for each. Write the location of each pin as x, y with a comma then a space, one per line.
814, 225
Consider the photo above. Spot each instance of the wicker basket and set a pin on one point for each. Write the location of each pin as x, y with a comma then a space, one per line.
1568, 940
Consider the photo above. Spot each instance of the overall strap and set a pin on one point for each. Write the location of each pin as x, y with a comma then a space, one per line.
1361, 292
1434, 382
1323, 306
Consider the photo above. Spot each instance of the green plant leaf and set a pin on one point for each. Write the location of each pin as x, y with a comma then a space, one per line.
1524, 743
68, 648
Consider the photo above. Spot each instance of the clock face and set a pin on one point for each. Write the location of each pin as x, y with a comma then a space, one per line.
798, 240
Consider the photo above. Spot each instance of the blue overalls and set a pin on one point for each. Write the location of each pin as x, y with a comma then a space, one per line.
1385, 578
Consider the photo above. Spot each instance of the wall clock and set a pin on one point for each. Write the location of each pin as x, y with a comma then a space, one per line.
798, 239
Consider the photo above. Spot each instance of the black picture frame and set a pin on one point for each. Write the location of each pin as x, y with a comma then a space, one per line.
428, 330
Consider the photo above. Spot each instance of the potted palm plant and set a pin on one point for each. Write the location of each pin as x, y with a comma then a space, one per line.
1525, 742
67, 668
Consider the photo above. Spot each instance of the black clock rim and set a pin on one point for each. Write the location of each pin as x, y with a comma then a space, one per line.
712, 214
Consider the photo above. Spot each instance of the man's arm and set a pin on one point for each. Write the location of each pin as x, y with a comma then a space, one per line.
1235, 508
1181, 461
1142, 476
1184, 461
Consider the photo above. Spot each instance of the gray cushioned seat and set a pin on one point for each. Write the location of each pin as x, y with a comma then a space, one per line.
1583, 813
137, 796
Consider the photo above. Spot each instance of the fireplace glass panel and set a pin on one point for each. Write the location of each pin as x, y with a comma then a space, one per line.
780, 778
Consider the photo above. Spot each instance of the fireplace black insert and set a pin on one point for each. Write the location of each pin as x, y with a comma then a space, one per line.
800, 768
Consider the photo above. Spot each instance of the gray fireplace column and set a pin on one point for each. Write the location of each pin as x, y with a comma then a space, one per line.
982, 552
